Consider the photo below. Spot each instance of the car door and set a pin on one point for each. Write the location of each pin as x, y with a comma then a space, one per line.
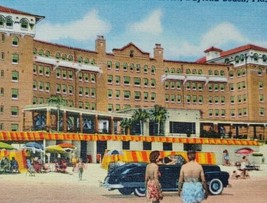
169, 177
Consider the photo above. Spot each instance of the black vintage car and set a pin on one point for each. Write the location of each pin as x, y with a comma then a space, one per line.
130, 177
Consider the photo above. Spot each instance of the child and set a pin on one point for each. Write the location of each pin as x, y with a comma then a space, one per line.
80, 166
235, 175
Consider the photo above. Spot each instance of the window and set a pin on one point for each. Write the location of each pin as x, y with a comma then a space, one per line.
117, 79
132, 67
14, 111
2, 21
80, 91
47, 53
223, 112
93, 92
244, 85
172, 70
70, 89
15, 93
126, 94
58, 55
216, 100
110, 107
80, 59
86, 77
216, 87
188, 85
92, 76
239, 99
194, 99
240, 111
58, 73
126, 80
210, 72
210, 112
200, 86
47, 86
260, 71
1, 109
15, 41
194, 86
232, 87
245, 112
9, 22
200, 99
216, 112
188, 98
117, 66
231, 74
70, 58
110, 79
2, 55
15, 58
41, 86
153, 96
64, 74
232, 99
58, 88
47, 71
145, 96
41, 70
179, 98
80, 104
80, 76
137, 81
145, 68
109, 93
210, 99
167, 98
1, 126
70, 103
138, 68
166, 84
125, 66
1, 91
109, 64
24, 24
178, 85
145, 82
117, 92
86, 61
64, 89
261, 97
216, 72
222, 99
260, 84
244, 98
14, 127
137, 95
222, 87
172, 84
153, 69
118, 107
210, 87
232, 111
87, 105
34, 85
15, 75
153, 82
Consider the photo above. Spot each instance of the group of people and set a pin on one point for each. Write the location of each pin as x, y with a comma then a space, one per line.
192, 185
242, 167
9, 166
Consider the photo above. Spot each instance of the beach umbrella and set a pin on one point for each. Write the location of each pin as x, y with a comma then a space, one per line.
114, 155
55, 149
67, 145
34, 145
6, 146
244, 151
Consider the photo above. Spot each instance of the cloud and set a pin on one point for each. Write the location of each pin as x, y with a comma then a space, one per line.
218, 36
83, 29
152, 24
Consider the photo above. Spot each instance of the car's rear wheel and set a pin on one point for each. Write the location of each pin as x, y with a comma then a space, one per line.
215, 186
140, 192
126, 191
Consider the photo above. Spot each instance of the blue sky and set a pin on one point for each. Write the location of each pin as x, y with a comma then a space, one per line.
184, 28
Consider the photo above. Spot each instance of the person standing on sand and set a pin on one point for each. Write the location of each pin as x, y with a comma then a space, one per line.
80, 166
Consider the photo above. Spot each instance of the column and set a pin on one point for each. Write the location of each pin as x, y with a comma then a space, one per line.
65, 127
96, 123
81, 122
48, 119
23, 121
111, 126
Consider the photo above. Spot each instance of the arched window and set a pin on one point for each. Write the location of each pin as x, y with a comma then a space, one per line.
172, 70
166, 70
70, 58
179, 70
216, 72
41, 52
86, 61
64, 57
58, 55
24, 24
47, 53
9, 22
256, 57
210, 72
2, 21
153, 69
80, 59
15, 41
34, 51
15, 58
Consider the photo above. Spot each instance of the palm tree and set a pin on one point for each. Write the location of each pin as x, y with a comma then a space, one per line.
158, 115
140, 115
56, 100
126, 124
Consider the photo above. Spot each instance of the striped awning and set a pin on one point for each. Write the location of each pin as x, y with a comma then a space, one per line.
40, 135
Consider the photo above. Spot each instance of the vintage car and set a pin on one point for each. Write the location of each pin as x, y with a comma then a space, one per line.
129, 178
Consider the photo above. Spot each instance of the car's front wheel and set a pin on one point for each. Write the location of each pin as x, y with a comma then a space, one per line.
215, 186
140, 192
126, 191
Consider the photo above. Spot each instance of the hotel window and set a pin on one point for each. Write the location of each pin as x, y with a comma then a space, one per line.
137, 95
244, 98
126, 80
260, 84
145, 82
239, 73
231, 74
194, 86
93, 62
14, 111
70, 58
222, 73
210, 87
261, 97
117, 79
260, 71
222, 100
132, 67
216, 87
194, 99
145, 96
153, 69
232, 99
34, 51
255, 57
41, 52
153, 82
80, 76
64, 74
118, 107
172, 85
34, 85
244, 85
200, 99
86, 105
14, 127
166, 70
145, 68
232, 112
210, 99
188, 71
245, 111
9, 22
117, 66
24, 24
64, 89
86, 61
70, 74
80, 104
210, 112
15, 41
239, 85
15, 58
15, 76
34, 100
239, 99
194, 71
138, 67
216, 100
109, 64
41, 86
93, 92
210, 72
178, 85
172, 70
47, 53
126, 94
1, 91
222, 87
2, 73
153, 96
166, 85
41, 70
109, 93
80, 59
188, 98
117, 92
70, 103
110, 107
223, 112
216, 72
200, 71
58, 73
179, 98
216, 112
240, 111
137, 81
58, 88
80, 91
1, 126
232, 87
2, 21
92, 77
125, 66
58, 55
1, 109
2, 55
41, 100
15, 93
86, 77
243, 71
86, 91
47, 71
166, 98
70, 89
47, 86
